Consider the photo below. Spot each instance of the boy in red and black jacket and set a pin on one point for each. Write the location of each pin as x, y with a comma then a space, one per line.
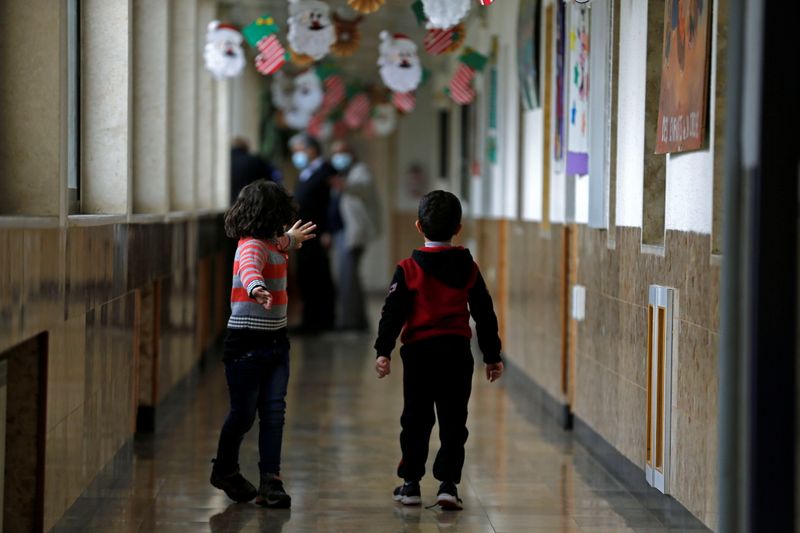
432, 295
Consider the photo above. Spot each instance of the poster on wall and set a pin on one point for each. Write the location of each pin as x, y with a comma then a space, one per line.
558, 142
578, 92
528, 53
683, 102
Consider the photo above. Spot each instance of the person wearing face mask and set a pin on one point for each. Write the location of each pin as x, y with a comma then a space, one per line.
312, 194
359, 209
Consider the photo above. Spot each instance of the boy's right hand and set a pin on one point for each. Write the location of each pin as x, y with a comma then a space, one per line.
383, 366
263, 297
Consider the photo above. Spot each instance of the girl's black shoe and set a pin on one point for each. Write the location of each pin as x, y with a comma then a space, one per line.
233, 484
447, 498
408, 493
272, 494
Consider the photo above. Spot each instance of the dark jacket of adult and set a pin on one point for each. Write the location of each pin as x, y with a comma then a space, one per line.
247, 168
313, 194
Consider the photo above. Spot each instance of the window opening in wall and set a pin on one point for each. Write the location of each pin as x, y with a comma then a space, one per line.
73, 105
444, 144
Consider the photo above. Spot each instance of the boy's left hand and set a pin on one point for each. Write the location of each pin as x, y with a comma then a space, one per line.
302, 232
494, 371
383, 366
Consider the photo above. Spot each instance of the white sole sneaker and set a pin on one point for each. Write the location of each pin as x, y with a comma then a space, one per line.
449, 502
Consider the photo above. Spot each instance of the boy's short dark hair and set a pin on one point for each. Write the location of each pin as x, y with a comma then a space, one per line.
261, 210
439, 215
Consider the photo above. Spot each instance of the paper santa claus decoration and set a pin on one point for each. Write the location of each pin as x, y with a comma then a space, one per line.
399, 63
223, 53
261, 34
445, 13
384, 119
310, 29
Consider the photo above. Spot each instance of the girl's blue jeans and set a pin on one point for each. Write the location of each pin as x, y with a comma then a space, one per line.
257, 382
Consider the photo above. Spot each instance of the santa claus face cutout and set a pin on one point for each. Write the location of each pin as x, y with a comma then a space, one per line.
445, 13
399, 63
310, 29
223, 53
308, 93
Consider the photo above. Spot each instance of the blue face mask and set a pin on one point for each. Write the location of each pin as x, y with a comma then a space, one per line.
341, 161
300, 160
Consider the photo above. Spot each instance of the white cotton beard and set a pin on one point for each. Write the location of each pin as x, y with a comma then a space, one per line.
297, 119
444, 14
314, 43
385, 119
308, 94
401, 80
223, 66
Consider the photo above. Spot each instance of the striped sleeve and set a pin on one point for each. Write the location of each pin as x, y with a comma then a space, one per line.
252, 257
285, 242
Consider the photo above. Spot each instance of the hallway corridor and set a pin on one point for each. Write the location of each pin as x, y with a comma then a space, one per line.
523, 473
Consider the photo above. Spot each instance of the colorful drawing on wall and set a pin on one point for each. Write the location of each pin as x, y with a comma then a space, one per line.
578, 97
558, 144
528, 53
683, 103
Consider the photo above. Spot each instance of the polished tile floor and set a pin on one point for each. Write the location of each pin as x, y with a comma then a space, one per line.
523, 473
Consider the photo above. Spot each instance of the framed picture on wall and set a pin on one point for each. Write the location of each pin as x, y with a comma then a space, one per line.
683, 103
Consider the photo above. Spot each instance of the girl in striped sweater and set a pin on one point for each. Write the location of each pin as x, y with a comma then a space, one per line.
256, 352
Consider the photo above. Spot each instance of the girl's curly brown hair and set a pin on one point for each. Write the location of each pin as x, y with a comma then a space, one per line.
262, 210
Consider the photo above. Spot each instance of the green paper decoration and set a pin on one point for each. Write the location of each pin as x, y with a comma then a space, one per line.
263, 26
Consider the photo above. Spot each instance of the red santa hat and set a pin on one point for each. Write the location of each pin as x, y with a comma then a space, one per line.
224, 29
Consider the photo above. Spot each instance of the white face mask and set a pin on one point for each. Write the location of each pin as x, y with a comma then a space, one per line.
341, 161
300, 160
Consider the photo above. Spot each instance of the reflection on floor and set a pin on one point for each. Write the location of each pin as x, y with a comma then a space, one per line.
341, 447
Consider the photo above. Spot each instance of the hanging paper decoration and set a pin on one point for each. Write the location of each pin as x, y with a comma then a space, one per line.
334, 93
438, 41
366, 6
223, 53
404, 102
307, 95
578, 93
301, 60
297, 119
399, 63
489, 2
310, 29
261, 34
348, 36
461, 90
384, 119
357, 111
445, 13
315, 125
281, 91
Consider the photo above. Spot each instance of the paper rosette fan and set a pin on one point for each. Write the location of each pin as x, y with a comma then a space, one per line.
438, 41
366, 6
311, 30
301, 60
445, 13
348, 36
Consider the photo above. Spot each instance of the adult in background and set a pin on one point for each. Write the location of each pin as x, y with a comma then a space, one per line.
359, 208
313, 196
247, 167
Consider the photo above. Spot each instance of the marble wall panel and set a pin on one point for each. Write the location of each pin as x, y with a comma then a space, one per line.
78, 283
611, 343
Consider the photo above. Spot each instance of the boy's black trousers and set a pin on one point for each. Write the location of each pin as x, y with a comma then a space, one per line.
437, 373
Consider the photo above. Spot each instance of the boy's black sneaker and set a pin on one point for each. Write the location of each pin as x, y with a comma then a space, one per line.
272, 494
447, 498
408, 493
234, 485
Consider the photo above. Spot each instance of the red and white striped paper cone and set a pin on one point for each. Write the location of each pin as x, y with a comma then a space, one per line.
271, 57
438, 41
357, 111
461, 85
334, 93
404, 102
314, 127
486, 2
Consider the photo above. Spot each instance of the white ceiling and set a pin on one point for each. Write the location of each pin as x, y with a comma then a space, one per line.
395, 16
